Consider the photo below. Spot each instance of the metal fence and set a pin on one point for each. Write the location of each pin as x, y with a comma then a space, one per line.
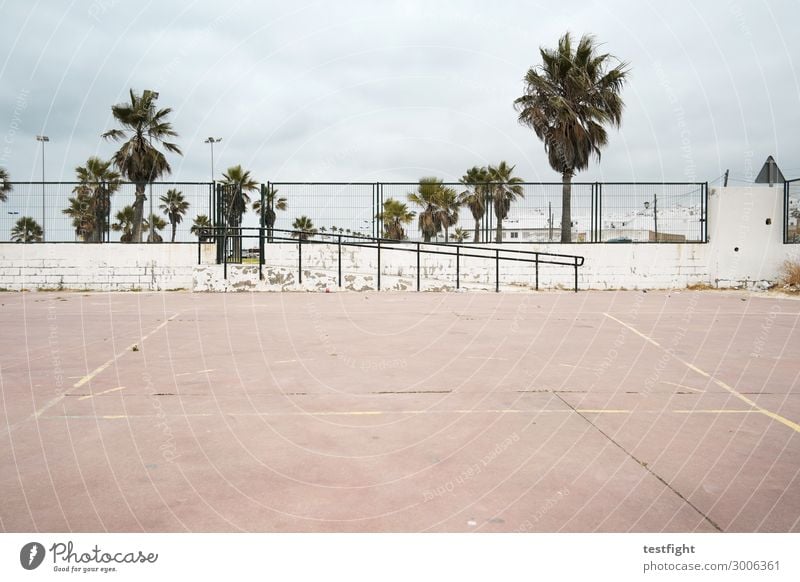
600, 212
791, 211
95, 218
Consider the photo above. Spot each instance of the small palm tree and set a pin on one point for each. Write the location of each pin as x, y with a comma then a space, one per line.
394, 217
97, 181
475, 196
303, 228
272, 202
81, 211
26, 230
175, 207
504, 189
5, 184
125, 223
138, 160
237, 206
460, 235
439, 204
567, 101
201, 227
155, 224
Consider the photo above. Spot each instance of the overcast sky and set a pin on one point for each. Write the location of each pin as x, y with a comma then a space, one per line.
353, 90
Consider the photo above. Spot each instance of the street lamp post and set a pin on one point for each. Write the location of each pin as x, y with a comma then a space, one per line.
212, 141
43, 139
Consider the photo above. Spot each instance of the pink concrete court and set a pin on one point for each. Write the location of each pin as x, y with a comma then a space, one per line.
596, 411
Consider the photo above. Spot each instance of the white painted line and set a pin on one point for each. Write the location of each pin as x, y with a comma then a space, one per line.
682, 386
197, 372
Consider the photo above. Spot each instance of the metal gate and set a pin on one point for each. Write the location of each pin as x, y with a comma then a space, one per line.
229, 208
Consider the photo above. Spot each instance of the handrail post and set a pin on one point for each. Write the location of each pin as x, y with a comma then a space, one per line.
418, 250
537, 271
339, 244
576, 274
458, 267
497, 271
379, 264
300, 258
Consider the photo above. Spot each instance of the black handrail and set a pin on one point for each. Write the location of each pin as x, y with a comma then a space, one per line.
384, 244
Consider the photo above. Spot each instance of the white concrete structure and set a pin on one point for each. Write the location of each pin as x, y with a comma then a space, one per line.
745, 249
98, 267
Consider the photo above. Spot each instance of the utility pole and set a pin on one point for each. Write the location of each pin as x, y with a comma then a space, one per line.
550, 221
212, 141
43, 139
725, 180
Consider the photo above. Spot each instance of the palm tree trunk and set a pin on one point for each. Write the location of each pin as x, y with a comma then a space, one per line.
174, 226
566, 207
138, 212
476, 236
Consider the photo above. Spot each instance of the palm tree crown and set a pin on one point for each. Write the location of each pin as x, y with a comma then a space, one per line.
97, 183
394, 216
439, 204
475, 196
237, 205
504, 188
26, 230
5, 184
303, 228
174, 206
138, 160
568, 99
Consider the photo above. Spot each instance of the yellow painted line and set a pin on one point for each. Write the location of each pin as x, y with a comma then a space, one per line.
103, 392
602, 411
773, 415
97, 370
88, 377
724, 411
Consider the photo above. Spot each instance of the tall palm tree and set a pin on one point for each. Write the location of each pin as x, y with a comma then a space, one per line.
125, 223
138, 159
155, 224
272, 202
439, 205
5, 184
504, 189
474, 197
81, 211
567, 101
175, 207
395, 215
99, 182
237, 205
26, 230
303, 228
201, 227
460, 235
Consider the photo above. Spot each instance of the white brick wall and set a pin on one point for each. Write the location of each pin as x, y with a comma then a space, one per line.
97, 267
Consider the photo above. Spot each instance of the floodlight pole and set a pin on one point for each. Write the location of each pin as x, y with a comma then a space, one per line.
43, 139
212, 141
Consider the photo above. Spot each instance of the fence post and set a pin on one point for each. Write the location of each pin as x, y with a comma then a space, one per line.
339, 244
536, 256
261, 235
379, 264
418, 267
497, 271
300, 258
458, 267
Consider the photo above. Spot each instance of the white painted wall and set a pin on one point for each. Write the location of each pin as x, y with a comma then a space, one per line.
737, 216
99, 267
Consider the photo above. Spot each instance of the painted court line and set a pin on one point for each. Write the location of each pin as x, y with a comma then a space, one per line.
399, 412
773, 415
682, 386
103, 392
88, 377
